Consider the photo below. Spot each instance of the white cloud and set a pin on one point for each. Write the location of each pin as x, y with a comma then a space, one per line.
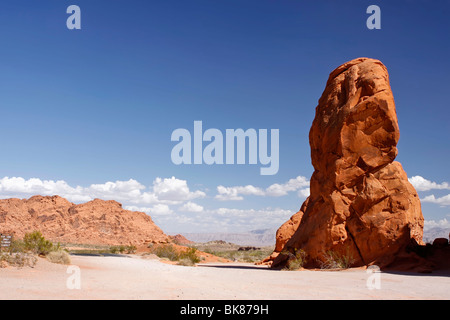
422, 184
274, 190
303, 193
277, 190
238, 213
168, 200
443, 201
444, 223
127, 191
174, 190
163, 191
232, 193
161, 209
156, 210
19, 187
191, 207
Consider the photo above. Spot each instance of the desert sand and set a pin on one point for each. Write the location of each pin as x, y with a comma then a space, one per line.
133, 277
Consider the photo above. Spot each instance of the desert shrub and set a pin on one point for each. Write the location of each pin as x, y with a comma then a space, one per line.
254, 255
231, 251
191, 255
17, 245
121, 249
208, 250
296, 260
116, 249
334, 260
186, 262
17, 259
37, 244
22, 253
168, 252
59, 256
130, 249
187, 257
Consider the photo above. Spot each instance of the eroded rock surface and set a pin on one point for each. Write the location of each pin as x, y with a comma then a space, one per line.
361, 204
93, 222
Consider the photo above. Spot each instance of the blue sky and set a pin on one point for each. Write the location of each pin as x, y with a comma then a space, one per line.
95, 108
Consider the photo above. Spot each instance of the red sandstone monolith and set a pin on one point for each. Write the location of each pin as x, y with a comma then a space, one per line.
361, 205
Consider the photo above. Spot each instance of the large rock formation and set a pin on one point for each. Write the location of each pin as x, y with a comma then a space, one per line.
361, 204
94, 222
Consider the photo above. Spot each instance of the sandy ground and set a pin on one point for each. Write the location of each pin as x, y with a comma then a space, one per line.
137, 278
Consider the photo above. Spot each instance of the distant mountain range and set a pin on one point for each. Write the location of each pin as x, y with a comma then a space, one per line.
257, 238
437, 232
266, 237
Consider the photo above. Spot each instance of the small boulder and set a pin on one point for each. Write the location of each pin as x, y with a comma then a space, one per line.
440, 242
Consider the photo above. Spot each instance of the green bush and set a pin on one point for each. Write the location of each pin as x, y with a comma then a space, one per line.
130, 249
191, 255
114, 249
168, 252
22, 252
37, 244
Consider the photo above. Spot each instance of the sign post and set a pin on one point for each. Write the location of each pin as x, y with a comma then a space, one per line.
5, 240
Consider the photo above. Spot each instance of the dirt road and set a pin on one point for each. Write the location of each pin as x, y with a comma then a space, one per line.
93, 277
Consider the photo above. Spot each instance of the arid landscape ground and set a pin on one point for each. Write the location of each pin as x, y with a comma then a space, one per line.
135, 277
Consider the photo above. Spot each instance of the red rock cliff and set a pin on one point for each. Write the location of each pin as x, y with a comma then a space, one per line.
94, 222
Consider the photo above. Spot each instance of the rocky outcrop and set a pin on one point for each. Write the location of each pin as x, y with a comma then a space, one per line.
361, 204
180, 239
94, 222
